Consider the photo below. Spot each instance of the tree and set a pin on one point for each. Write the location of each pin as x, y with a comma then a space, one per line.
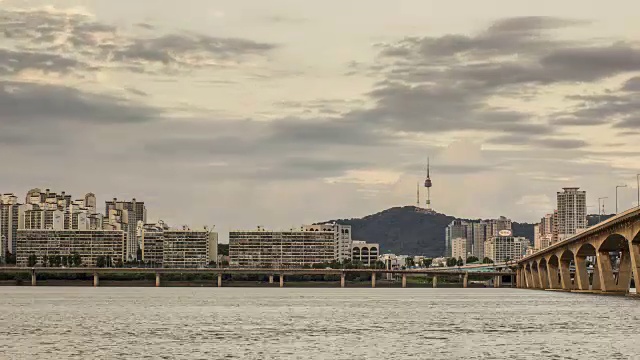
64, 260
45, 260
486, 260
409, 262
77, 259
472, 259
100, 261
32, 260
119, 263
460, 262
52, 260
452, 261
427, 262
10, 258
139, 255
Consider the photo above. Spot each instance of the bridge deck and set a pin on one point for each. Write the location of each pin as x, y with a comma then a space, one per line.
231, 271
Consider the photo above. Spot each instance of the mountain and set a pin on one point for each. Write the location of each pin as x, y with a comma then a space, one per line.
411, 230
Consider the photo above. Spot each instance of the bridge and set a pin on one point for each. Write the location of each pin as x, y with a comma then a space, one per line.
281, 273
612, 248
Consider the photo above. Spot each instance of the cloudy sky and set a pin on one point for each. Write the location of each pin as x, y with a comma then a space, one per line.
277, 113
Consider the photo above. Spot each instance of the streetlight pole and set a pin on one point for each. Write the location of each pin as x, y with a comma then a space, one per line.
638, 187
601, 211
617, 187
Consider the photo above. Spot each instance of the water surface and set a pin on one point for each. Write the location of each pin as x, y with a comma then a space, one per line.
299, 323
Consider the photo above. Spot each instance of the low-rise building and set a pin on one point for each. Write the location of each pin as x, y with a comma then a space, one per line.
89, 244
364, 252
280, 249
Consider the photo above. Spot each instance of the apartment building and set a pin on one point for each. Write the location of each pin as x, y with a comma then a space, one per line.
89, 244
506, 247
342, 238
572, 212
280, 249
186, 248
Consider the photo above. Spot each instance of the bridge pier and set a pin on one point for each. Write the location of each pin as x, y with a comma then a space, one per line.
96, 279
219, 280
465, 280
565, 275
595, 281
33, 278
404, 280
624, 272
582, 276
527, 277
513, 281
496, 281
373, 280
535, 279
271, 279
552, 275
605, 271
281, 280
544, 277
634, 252
435, 281
342, 280
157, 279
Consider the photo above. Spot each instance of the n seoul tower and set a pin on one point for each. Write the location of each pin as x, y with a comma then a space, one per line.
427, 184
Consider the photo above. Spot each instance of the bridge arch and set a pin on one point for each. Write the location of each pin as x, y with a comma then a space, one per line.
567, 260
614, 242
614, 263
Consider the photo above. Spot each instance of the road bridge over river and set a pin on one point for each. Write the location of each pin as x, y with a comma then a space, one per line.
496, 276
612, 247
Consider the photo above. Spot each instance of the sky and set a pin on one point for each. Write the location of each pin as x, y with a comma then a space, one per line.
278, 113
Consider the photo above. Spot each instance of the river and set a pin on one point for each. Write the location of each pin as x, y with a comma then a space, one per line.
303, 323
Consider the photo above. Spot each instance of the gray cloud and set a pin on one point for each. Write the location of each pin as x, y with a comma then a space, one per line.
25, 103
632, 84
168, 49
79, 39
13, 62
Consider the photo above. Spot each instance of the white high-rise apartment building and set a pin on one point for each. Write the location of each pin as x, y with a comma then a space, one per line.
342, 238
9, 223
572, 212
494, 226
125, 215
546, 232
457, 229
459, 248
503, 248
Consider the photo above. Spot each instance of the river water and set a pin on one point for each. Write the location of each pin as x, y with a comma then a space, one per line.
302, 323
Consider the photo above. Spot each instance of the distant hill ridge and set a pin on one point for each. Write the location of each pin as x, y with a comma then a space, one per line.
415, 231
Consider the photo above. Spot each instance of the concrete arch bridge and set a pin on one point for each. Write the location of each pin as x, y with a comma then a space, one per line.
604, 258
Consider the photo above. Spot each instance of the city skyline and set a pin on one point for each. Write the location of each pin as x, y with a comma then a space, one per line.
220, 111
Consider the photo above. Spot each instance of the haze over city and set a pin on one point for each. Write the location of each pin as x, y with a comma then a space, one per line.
281, 113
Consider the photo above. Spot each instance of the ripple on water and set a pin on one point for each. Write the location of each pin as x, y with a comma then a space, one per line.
290, 323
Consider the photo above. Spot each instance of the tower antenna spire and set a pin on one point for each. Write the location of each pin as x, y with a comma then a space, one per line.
418, 194
428, 184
